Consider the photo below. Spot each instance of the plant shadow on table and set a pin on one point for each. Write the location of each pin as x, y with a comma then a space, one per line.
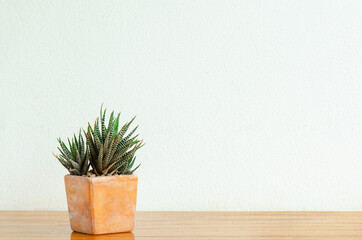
113, 236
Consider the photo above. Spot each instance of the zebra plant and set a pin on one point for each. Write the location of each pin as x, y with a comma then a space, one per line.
111, 151
76, 157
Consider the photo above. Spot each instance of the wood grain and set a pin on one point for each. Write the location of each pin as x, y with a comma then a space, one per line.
16, 225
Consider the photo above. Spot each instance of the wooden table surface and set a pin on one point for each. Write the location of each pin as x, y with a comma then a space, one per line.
16, 225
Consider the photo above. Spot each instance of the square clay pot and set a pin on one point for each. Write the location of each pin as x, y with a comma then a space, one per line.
100, 205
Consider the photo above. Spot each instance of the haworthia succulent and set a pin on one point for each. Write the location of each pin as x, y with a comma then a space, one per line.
108, 146
75, 158
102, 147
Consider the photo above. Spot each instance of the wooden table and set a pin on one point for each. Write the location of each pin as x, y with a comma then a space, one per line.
193, 225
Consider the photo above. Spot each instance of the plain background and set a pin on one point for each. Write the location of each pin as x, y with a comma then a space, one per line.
243, 105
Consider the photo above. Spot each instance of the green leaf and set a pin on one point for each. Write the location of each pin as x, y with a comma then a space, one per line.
106, 142
62, 153
123, 147
90, 145
110, 123
131, 172
90, 129
130, 134
103, 126
81, 145
112, 166
110, 129
116, 124
97, 136
116, 167
74, 164
111, 152
100, 159
85, 166
108, 150
71, 146
66, 164
76, 141
126, 126
130, 164
65, 149
77, 157
129, 155
96, 141
74, 172
114, 144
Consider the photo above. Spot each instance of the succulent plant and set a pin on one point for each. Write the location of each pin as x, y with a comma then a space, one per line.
106, 148
111, 152
76, 158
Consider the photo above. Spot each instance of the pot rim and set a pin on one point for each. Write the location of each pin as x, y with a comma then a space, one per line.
123, 175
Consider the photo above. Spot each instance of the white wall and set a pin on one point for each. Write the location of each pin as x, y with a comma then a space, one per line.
243, 105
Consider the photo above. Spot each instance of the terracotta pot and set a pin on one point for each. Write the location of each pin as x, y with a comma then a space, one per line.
99, 205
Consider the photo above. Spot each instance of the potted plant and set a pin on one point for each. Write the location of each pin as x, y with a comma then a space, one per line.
101, 199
